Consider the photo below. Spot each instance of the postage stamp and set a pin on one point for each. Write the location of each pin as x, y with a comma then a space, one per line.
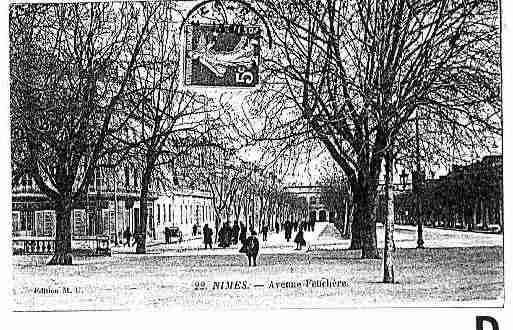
358, 164
222, 55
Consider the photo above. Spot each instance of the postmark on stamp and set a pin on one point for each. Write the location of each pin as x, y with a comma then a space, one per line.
222, 55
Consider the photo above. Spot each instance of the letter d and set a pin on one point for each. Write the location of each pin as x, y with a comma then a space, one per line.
480, 321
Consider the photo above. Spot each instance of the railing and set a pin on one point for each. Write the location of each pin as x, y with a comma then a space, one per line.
26, 190
99, 245
95, 245
33, 245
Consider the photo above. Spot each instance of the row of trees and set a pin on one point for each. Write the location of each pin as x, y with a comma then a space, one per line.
243, 191
354, 75
97, 85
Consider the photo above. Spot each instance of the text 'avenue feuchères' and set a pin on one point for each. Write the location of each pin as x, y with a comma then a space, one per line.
308, 283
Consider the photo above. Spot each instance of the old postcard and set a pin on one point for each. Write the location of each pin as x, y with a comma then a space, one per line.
256, 155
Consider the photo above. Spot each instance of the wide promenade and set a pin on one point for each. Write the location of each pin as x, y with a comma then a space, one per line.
456, 269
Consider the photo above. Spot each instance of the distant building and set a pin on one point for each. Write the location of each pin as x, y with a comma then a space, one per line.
469, 197
316, 210
110, 206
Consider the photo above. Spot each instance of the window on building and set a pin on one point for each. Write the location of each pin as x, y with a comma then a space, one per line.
26, 182
104, 226
99, 180
158, 214
29, 220
16, 221
49, 223
39, 223
79, 223
23, 221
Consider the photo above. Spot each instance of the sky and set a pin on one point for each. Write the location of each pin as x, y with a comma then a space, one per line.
304, 173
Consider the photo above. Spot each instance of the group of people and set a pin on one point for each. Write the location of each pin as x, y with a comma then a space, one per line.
307, 225
288, 226
227, 235
232, 235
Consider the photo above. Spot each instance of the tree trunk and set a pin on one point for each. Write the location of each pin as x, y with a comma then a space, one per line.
363, 228
369, 237
356, 235
62, 254
388, 256
143, 214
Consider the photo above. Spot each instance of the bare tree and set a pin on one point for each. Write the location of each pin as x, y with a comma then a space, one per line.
168, 122
353, 73
70, 67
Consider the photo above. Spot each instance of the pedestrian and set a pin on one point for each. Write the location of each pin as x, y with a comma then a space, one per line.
167, 235
313, 225
250, 248
207, 236
235, 233
277, 227
194, 230
242, 235
225, 235
288, 230
220, 236
300, 239
127, 235
295, 225
265, 229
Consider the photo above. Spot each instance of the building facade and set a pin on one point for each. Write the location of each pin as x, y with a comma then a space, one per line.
317, 211
110, 206
469, 197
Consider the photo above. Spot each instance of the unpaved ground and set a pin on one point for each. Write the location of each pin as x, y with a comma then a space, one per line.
453, 276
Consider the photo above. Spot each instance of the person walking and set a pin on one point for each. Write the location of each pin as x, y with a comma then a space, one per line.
194, 229
167, 235
251, 247
300, 238
277, 227
128, 236
207, 236
242, 235
288, 230
235, 232
265, 229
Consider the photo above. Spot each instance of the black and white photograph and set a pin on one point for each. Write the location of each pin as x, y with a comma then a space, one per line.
227, 155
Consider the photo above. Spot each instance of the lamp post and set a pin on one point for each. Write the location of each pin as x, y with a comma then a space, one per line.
115, 210
403, 177
420, 240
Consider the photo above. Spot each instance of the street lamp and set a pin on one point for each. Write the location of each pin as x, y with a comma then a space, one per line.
420, 240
